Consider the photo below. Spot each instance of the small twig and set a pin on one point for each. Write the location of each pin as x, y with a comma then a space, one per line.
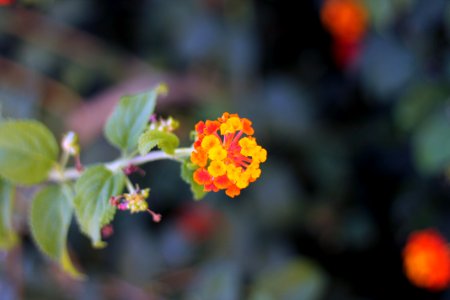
114, 166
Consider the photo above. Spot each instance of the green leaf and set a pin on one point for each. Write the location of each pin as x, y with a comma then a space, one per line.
28, 151
166, 141
50, 216
93, 190
431, 144
8, 237
187, 171
129, 119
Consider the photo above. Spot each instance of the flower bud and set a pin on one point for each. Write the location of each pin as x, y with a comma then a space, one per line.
70, 143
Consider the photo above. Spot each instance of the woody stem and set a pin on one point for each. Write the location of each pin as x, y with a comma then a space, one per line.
116, 165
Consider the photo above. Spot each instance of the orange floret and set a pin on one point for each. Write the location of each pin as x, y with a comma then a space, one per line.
201, 176
427, 260
222, 182
211, 127
200, 127
247, 126
200, 158
233, 191
227, 154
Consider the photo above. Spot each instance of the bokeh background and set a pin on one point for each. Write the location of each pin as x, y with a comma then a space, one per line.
357, 128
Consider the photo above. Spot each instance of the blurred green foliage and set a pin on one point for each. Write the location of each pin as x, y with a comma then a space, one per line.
357, 153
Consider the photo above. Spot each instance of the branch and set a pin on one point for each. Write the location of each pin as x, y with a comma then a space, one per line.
114, 166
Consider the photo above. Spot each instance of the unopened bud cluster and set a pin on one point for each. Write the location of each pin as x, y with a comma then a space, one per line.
166, 125
70, 143
71, 146
134, 201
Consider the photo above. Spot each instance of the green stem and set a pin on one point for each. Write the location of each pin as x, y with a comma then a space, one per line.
116, 165
64, 159
130, 186
58, 173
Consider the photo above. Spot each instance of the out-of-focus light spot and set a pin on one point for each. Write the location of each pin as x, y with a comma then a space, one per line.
197, 223
6, 2
426, 260
344, 53
345, 19
107, 231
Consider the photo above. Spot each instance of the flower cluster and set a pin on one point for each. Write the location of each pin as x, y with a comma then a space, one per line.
427, 260
226, 159
134, 202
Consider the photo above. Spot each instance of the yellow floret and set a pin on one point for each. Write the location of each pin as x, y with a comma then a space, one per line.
233, 172
247, 142
217, 153
226, 128
260, 154
247, 145
217, 168
235, 123
243, 181
254, 171
210, 141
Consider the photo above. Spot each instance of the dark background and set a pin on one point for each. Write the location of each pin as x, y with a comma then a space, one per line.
357, 152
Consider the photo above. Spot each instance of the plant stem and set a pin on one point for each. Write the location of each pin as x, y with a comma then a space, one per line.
114, 166
64, 160
130, 186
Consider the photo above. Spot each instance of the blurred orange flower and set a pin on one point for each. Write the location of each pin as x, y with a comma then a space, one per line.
344, 53
345, 19
427, 260
6, 2
198, 222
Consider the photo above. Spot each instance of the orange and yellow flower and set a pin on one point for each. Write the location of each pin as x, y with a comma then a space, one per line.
427, 260
227, 155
